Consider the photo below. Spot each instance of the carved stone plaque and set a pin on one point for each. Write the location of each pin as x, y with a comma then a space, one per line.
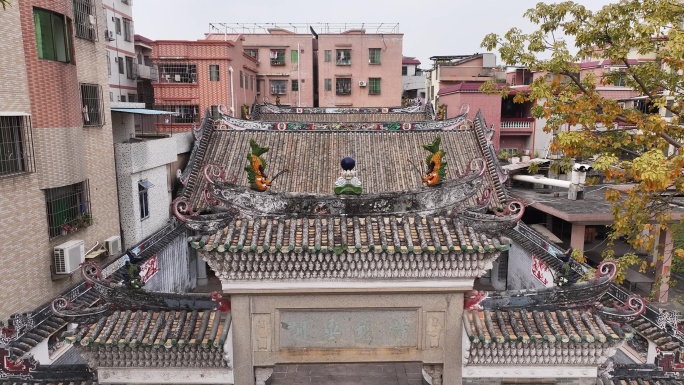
261, 330
348, 329
434, 329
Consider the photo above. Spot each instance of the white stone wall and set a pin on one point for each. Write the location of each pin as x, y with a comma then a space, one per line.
520, 270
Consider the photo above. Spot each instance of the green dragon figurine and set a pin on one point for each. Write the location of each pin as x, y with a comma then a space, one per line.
436, 173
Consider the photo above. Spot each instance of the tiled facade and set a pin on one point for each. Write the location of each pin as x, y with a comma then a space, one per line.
117, 30
66, 152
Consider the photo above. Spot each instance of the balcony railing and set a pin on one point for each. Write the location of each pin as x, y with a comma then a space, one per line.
517, 124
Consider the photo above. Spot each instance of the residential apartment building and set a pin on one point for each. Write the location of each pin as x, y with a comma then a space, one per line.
121, 56
147, 72
195, 76
56, 155
412, 80
322, 65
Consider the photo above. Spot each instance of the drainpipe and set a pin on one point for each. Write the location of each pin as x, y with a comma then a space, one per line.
543, 180
232, 92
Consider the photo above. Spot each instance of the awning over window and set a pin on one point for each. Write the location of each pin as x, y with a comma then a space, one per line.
142, 111
145, 184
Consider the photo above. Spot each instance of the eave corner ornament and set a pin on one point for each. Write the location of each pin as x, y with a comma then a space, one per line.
436, 173
255, 167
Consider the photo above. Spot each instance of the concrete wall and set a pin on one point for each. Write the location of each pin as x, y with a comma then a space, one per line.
490, 104
360, 70
65, 152
520, 270
176, 268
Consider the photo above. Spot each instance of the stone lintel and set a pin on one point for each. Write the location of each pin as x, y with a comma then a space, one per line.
164, 376
306, 286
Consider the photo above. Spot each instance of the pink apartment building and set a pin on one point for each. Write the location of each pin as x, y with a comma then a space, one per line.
327, 65
198, 75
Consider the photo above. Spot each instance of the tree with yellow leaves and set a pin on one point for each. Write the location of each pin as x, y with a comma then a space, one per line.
645, 149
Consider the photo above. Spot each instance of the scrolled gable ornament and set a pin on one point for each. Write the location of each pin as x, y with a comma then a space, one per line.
436, 173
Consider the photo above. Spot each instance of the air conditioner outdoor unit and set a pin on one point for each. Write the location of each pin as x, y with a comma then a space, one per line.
362, 83
109, 35
69, 256
113, 245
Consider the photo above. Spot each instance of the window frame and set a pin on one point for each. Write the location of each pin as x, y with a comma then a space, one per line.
68, 208
281, 86
84, 15
16, 136
343, 57
340, 86
295, 85
404, 70
109, 62
294, 56
184, 113
214, 73
130, 71
117, 25
242, 80
120, 63
327, 55
91, 99
127, 29
279, 58
252, 52
371, 56
65, 49
327, 84
377, 82
144, 198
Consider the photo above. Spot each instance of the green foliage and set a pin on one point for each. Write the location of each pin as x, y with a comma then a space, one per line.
533, 168
503, 155
562, 166
5, 3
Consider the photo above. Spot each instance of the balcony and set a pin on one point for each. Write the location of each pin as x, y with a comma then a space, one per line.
517, 126
148, 72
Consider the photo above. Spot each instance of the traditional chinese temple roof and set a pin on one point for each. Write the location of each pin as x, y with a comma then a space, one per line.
637, 374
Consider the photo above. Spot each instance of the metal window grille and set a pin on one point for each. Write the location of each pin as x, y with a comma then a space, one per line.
91, 104
242, 81
277, 57
278, 87
327, 55
127, 30
143, 189
253, 52
178, 73
214, 72
374, 86
53, 36
183, 113
68, 208
130, 68
85, 20
374, 55
343, 57
16, 145
343, 86
295, 85
327, 83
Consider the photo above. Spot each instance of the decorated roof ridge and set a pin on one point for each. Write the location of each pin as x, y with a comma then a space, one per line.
636, 374
380, 234
484, 139
29, 371
275, 109
201, 135
229, 123
116, 296
27, 330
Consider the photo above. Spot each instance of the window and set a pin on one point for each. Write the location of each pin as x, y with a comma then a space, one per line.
109, 62
620, 80
277, 57
374, 55
214, 112
343, 57
117, 25
295, 85
343, 86
404, 70
16, 145
127, 29
668, 113
184, 113
122, 98
131, 98
92, 108
246, 81
119, 61
278, 87
252, 82
111, 96
328, 55
53, 36
130, 72
68, 208
258, 85
374, 86
327, 84
178, 73
143, 188
294, 56
253, 52
214, 72
241, 81
85, 20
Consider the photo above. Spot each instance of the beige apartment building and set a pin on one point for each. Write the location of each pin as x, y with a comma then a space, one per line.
322, 65
57, 179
